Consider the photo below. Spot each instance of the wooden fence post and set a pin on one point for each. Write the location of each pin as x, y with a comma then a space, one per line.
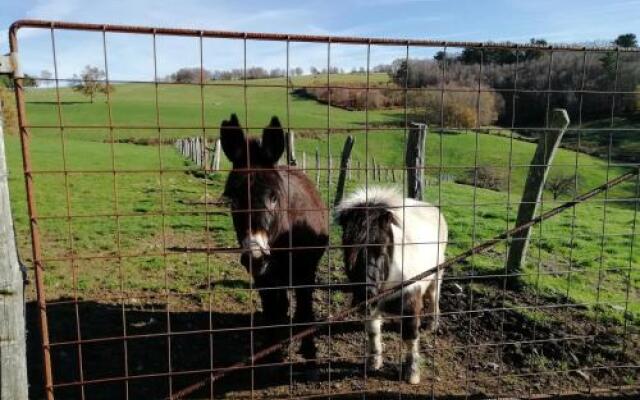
304, 162
205, 154
216, 155
344, 163
291, 149
536, 177
358, 170
13, 356
212, 157
373, 168
415, 160
198, 151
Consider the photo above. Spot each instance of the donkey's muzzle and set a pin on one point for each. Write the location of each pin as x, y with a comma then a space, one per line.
255, 253
256, 266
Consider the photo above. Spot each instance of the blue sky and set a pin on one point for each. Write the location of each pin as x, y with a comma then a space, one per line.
130, 57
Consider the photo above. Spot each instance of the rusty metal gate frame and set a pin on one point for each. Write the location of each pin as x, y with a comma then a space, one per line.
24, 127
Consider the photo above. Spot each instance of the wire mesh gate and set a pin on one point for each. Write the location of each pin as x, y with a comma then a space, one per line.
137, 291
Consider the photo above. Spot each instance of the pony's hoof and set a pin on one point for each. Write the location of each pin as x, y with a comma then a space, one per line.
375, 363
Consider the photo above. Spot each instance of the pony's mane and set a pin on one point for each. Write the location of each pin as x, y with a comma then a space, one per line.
378, 196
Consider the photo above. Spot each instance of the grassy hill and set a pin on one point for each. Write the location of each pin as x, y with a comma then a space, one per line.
154, 203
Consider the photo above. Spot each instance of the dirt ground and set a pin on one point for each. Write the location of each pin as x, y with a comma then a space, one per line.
491, 343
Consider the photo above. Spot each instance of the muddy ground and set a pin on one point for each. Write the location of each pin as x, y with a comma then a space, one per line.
491, 343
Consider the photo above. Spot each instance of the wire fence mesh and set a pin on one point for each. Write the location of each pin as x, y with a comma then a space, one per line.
139, 288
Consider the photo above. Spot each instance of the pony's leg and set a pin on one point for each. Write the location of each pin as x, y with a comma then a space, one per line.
411, 337
373, 327
304, 314
433, 304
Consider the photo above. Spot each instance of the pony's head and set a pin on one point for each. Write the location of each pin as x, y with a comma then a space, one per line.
254, 189
367, 237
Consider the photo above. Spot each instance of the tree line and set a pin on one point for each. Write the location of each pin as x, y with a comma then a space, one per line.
566, 74
196, 74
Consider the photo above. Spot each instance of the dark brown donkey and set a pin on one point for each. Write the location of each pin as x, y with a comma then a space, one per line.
281, 225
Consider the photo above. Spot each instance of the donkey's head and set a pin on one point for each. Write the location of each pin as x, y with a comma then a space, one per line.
367, 237
254, 188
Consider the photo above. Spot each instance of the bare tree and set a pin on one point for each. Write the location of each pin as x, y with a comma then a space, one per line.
560, 184
91, 81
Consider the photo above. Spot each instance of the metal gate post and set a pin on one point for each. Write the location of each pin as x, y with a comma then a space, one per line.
18, 82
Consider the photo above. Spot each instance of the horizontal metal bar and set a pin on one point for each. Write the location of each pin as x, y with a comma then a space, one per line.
31, 23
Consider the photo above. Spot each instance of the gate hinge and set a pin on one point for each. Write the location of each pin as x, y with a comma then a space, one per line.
9, 64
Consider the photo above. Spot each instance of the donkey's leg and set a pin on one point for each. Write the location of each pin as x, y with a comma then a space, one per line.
411, 336
304, 314
373, 327
275, 305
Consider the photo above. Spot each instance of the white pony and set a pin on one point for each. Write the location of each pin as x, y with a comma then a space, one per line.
387, 240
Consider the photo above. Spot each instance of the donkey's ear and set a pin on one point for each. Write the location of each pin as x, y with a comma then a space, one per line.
272, 142
232, 139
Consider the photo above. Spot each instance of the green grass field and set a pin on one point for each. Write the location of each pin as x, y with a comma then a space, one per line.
588, 256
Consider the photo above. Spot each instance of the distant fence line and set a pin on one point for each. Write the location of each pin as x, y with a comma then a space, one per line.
206, 154
201, 152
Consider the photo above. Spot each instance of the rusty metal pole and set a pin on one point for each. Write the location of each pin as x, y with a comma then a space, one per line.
25, 140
